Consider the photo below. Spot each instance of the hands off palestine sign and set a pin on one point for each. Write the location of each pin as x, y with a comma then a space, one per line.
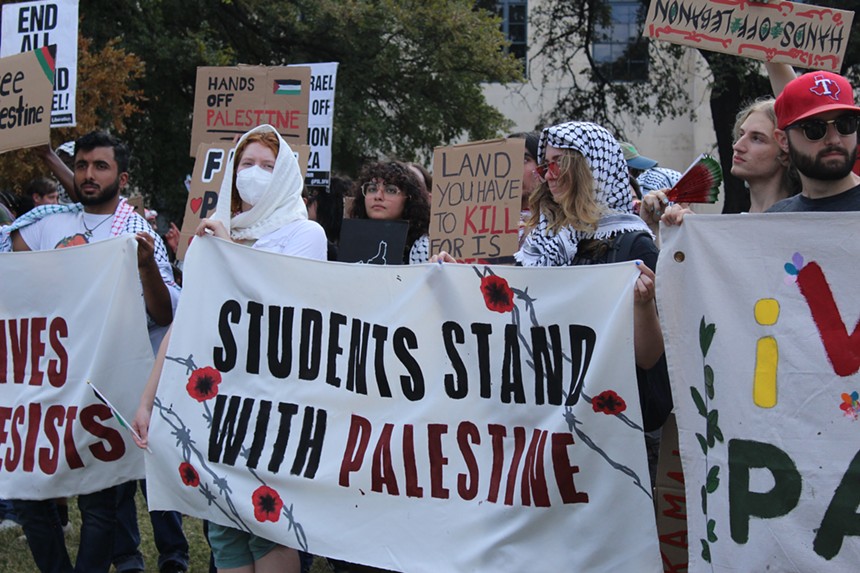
229, 101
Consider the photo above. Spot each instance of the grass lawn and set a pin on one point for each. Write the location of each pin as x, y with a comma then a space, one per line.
15, 555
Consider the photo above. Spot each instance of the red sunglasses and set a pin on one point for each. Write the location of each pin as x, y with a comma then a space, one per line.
550, 167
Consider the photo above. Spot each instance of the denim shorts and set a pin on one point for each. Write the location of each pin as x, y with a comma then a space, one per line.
233, 548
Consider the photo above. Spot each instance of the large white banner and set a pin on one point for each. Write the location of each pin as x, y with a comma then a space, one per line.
759, 315
27, 26
419, 418
67, 317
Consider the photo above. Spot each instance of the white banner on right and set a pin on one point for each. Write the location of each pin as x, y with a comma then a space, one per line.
760, 316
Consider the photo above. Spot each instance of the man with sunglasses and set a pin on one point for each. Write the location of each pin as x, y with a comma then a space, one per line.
817, 124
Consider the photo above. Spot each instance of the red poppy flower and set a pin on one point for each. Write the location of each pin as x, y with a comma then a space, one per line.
267, 504
203, 383
498, 296
189, 475
609, 403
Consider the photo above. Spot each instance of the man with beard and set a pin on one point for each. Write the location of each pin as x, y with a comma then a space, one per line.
100, 172
817, 124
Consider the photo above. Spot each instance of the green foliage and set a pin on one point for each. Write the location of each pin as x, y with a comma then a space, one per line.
706, 336
567, 31
408, 80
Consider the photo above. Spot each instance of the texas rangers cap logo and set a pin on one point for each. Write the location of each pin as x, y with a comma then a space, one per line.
825, 87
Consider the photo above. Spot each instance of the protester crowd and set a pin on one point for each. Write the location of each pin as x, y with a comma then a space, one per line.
581, 188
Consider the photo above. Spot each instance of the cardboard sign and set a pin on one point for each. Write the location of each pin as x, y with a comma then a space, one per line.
228, 101
27, 26
26, 81
475, 203
206, 184
783, 32
137, 204
762, 346
320, 122
420, 418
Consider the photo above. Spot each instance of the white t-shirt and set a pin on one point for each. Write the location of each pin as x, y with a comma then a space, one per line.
60, 230
66, 230
299, 238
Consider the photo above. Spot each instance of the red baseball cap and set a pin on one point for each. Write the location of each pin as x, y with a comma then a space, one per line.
811, 94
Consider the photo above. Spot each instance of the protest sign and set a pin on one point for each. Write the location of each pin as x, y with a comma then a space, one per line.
206, 184
57, 438
25, 99
228, 101
475, 204
418, 418
28, 26
670, 501
757, 312
320, 122
136, 203
372, 241
802, 35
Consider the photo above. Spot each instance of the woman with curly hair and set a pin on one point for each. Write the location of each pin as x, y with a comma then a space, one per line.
388, 191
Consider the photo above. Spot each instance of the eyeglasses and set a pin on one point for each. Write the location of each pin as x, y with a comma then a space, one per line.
550, 167
371, 188
816, 129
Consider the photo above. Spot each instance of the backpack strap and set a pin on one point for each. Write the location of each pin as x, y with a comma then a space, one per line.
622, 245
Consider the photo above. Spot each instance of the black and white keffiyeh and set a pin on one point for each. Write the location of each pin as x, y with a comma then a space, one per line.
658, 178
542, 247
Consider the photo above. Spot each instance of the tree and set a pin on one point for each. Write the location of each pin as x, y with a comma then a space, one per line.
567, 31
408, 80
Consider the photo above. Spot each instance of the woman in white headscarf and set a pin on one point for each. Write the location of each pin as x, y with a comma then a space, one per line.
260, 205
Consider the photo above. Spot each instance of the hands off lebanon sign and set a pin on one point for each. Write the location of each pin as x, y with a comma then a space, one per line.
345, 410
803, 35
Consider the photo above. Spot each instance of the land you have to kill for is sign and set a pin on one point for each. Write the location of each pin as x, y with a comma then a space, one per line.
458, 418
475, 204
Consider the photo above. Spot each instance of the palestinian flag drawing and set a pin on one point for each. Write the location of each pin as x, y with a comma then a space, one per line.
287, 87
47, 56
122, 422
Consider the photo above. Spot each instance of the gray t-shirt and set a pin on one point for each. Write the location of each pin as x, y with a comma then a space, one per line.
845, 201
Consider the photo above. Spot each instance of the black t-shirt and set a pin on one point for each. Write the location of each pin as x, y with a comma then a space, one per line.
846, 201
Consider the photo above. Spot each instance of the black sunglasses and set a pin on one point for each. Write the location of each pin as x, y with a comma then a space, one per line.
816, 129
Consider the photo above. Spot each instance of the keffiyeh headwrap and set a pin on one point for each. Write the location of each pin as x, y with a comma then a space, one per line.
542, 247
281, 204
658, 178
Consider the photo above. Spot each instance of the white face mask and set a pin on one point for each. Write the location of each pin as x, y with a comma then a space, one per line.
252, 183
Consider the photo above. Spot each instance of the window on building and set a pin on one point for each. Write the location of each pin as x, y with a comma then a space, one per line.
619, 48
514, 15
